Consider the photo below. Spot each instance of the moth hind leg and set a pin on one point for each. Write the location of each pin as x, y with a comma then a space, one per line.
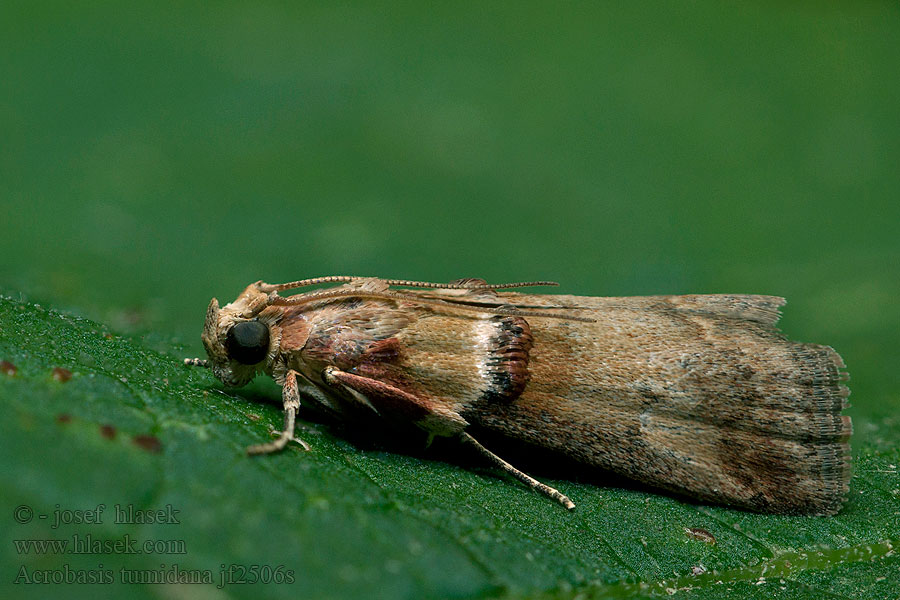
531, 482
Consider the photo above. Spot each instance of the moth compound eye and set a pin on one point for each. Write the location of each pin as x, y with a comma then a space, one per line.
248, 342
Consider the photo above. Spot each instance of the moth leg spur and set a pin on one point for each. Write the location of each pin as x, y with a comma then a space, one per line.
291, 398
392, 402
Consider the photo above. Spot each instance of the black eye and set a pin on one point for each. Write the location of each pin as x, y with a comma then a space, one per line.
248, 342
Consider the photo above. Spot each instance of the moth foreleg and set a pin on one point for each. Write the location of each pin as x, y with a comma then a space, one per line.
524, 478
290, 395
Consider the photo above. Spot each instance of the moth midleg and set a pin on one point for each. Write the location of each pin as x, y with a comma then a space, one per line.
531, 482
390, 401
290, 395
399, 405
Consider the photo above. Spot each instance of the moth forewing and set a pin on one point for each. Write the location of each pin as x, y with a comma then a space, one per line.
700, 395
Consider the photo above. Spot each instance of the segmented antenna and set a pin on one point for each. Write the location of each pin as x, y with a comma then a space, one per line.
466, 284
511, 310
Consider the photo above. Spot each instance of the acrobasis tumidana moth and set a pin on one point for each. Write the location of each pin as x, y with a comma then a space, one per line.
700, 395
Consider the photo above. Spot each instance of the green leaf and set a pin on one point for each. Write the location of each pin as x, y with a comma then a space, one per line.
354, 522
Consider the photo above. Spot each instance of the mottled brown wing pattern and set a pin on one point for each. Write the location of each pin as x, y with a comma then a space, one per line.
697, 394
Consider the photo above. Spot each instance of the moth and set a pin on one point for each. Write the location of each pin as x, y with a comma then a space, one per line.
700, 395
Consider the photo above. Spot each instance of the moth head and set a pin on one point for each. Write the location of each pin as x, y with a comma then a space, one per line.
238, 339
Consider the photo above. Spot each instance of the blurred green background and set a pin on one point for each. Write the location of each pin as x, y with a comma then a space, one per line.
154, 155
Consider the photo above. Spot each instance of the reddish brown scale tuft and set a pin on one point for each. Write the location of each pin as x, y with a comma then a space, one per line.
387, 350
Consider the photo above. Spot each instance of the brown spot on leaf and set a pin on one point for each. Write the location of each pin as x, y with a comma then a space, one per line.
61, 375
150, 443
8, 368
108, 431
253, 416
63, 418
698, 533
